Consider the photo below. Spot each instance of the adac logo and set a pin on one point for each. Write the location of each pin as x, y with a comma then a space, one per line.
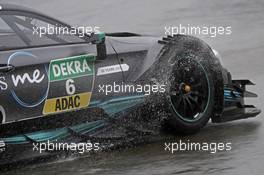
2, 146
29, 83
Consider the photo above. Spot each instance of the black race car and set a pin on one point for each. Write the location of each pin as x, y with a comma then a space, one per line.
55, 87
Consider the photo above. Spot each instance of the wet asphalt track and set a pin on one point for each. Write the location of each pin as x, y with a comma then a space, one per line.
243, 55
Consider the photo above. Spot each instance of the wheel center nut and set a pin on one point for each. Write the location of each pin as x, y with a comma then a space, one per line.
187, 88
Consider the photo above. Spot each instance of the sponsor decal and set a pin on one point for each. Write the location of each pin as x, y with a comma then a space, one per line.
67, 103
77, 73
32, 78
72, 67
36, 78
3, 84
112, 69
65, 85
2, 146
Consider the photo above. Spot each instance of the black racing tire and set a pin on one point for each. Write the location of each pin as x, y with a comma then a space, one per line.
195, 84
191, 97
180, 52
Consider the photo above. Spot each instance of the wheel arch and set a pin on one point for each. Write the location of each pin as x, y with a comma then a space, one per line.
183, 43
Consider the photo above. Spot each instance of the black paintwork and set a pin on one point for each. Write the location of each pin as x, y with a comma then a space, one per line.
137, 52
31, 57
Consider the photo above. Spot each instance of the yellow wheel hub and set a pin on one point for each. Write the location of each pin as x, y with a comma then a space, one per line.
187, 88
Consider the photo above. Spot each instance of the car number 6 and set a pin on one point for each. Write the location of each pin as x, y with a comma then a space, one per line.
70, 87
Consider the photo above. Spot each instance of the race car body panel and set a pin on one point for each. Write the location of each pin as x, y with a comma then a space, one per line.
27, 86
49, 75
